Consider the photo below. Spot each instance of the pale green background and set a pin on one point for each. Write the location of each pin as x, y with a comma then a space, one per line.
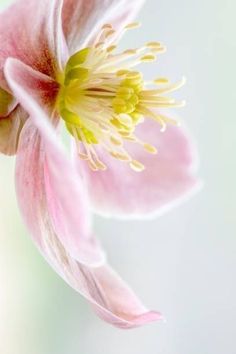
183, 263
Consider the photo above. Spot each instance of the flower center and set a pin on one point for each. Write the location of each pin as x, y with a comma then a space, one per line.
103, 98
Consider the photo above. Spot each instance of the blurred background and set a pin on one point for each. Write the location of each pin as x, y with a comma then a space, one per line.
183, 263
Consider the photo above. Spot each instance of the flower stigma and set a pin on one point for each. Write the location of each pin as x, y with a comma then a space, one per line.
103, 98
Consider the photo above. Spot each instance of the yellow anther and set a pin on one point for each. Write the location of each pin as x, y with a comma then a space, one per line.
130, 51
137, 166
158, 49
101, 166
83, 156
111, 48
133, 25
148, 58
149, 148
92, 165
125, 134
110, 33
107, 26
120, 156
153, 44
161, 80
134, 75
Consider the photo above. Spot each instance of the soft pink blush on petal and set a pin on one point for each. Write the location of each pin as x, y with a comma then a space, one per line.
111, 298
62, 185
168, 177
37, 179
38, 162
32, 32
82, 20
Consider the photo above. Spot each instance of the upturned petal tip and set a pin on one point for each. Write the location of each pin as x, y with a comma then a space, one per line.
50, 212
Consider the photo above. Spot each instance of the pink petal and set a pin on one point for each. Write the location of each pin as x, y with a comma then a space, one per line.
32, 32
66, 197
167, 179
10, 128
50, 195
83, 19
112, 300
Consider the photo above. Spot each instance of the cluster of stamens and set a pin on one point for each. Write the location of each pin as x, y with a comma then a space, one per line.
102, 98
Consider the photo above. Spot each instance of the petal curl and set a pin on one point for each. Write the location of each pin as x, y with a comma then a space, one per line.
39, 160
167, 179
32, 32
82, 19
111, 298
66, 198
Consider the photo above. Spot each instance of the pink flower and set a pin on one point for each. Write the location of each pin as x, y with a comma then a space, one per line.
57, 63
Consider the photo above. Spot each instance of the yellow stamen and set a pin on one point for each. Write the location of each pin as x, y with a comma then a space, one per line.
137, 166
133, 25
103, 99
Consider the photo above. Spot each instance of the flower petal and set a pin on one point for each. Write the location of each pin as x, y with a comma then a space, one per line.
67, 204
111, 298
114, 301
32, 32
82, 19
46, 183
168, 177
10, 128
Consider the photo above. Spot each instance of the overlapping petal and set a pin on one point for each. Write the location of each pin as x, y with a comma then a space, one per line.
167, 179
111, 298
82, 20
42, 195
32, 32
66, 198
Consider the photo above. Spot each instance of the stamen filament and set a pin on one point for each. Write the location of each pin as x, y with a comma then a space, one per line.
103, 99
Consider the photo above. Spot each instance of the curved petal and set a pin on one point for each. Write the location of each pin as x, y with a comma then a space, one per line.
168, 177
111, 298
11, 125
10, 128
82, 19
45, 183
66, 197
32, 32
